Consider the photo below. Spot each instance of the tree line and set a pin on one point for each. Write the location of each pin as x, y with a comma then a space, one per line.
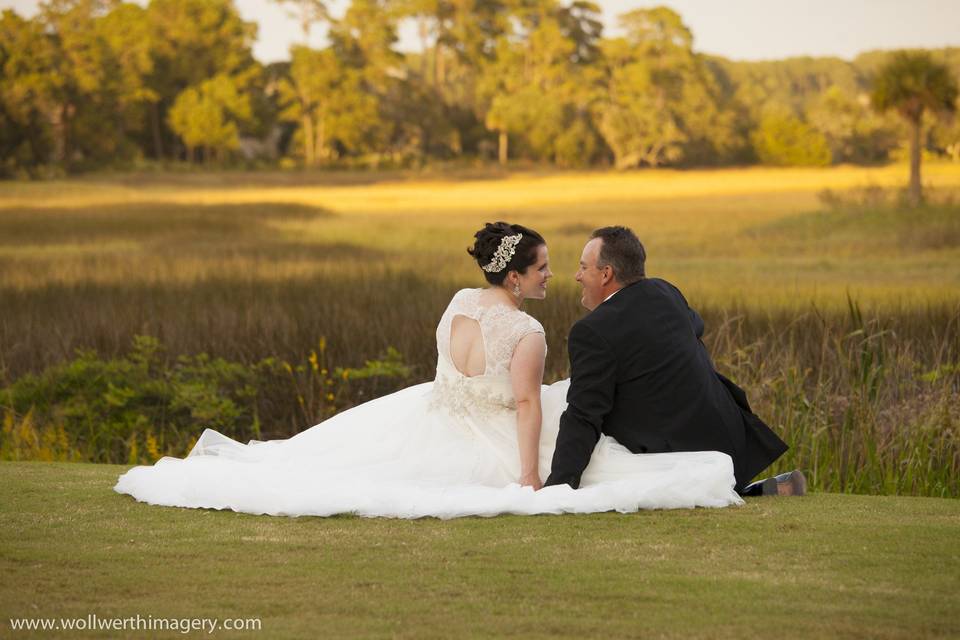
88, 84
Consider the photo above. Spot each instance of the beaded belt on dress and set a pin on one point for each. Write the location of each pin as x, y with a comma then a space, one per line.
468, 396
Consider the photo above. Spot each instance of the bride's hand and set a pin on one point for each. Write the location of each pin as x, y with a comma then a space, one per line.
531, 480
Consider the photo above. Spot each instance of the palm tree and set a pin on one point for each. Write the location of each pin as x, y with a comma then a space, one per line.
911, 83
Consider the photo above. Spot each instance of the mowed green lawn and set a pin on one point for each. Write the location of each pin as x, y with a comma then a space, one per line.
823, 566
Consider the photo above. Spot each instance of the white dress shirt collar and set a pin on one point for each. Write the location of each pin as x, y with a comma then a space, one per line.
611, 295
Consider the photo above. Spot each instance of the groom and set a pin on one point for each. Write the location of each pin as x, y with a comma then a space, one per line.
640, 374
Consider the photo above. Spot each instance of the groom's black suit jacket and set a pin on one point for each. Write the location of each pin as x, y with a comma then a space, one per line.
639, 373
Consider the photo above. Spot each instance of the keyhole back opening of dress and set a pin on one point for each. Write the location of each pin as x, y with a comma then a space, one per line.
467, 349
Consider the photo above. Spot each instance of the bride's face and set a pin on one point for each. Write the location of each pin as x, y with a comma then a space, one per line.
533, 283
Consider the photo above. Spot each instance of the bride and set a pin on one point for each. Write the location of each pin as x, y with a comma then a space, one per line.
478, 440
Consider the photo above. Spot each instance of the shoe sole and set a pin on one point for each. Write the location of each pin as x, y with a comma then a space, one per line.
795, 485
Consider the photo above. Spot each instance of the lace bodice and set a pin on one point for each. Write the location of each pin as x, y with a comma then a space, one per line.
501, 327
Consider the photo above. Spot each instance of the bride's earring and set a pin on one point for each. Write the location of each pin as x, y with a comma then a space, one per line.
516, 290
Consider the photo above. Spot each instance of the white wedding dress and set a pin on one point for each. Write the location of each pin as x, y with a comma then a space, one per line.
446, 448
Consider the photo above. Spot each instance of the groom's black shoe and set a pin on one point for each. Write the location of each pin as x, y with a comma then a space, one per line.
791, 483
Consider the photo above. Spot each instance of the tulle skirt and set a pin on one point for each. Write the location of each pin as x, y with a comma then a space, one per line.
403, 456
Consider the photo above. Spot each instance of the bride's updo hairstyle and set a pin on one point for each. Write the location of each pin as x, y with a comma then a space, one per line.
488, 241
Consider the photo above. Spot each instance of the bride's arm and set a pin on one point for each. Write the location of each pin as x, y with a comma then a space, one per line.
526, 376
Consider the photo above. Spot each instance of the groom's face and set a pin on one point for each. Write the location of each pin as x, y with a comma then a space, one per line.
590, 277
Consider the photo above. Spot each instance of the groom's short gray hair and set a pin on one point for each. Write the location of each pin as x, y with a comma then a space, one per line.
623, 252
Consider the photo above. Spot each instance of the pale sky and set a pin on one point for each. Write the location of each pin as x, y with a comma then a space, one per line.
737, 29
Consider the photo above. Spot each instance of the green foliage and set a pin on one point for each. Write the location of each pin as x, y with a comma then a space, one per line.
544, 109
71, 85
23, 439
191, 42
853, 132
662, 103
784, 140
139, 407
390, 365
90, 83
26, 139
636, 119
208, 116
912, 83
329, 100
196, 39
945, 134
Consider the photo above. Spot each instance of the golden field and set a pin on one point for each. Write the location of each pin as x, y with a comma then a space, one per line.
724, 236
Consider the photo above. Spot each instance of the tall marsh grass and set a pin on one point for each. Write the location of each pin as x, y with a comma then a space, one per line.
867, 404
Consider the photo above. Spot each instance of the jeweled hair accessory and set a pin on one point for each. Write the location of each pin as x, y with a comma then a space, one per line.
503, 254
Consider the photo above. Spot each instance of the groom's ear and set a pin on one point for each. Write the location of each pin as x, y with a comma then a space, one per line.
607, 275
